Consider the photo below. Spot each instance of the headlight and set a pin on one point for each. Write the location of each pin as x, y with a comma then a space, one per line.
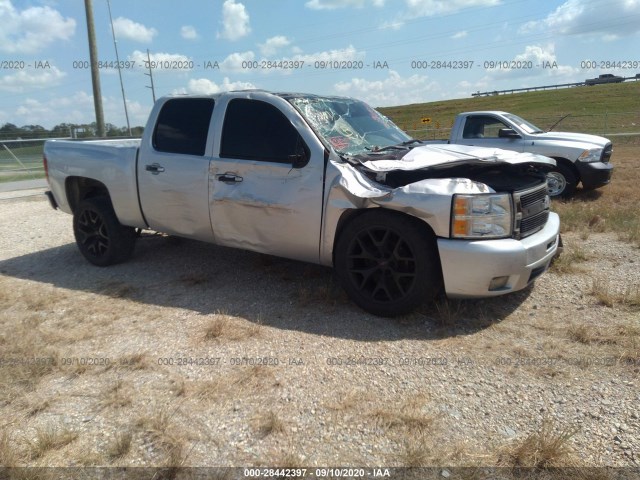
481, 216
589, 156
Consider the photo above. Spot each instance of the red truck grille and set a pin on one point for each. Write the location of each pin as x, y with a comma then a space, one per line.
532, 210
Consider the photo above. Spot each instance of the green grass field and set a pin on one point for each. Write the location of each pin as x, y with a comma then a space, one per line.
601, 110
28, 167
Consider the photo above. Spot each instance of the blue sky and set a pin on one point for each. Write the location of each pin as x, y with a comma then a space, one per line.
390, 48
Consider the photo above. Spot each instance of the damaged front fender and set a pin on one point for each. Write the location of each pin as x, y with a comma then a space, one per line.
426, 199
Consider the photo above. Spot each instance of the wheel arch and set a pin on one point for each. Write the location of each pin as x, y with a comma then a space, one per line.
570, 165
353, 213
81, 188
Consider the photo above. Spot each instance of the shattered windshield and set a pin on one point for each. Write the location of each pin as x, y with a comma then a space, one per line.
350, 126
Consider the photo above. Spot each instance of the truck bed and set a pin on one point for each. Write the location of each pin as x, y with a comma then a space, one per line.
110, 162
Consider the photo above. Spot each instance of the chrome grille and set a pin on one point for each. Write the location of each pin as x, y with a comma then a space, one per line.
532, 210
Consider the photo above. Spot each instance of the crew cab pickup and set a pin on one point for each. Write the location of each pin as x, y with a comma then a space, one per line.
580, 158
326, 180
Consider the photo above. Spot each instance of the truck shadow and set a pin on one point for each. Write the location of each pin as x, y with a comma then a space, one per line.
272, 291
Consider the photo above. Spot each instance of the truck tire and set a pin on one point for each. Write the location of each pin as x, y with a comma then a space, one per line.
562, 182
101, 238
387, 263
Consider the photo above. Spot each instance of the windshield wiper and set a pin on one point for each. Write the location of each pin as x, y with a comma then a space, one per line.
399, 146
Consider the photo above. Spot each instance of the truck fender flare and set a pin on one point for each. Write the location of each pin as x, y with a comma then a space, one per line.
81, 188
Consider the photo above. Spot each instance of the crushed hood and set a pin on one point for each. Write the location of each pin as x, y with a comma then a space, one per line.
445, 155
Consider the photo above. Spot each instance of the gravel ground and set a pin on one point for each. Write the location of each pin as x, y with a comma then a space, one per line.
209, 356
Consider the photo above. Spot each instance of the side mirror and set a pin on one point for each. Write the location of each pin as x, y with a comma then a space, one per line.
508, 133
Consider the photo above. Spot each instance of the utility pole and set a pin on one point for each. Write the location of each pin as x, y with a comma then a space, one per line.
115, 45
95, 73
150, 74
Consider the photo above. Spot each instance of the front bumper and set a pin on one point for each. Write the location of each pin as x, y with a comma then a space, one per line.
594, 174
468, 267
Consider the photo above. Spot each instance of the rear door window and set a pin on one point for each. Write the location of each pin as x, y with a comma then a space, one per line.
183, 126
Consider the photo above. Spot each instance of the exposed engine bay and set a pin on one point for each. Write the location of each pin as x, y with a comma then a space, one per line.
501, 178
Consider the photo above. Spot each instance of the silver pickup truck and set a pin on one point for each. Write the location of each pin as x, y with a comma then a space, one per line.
326, 180
580, 158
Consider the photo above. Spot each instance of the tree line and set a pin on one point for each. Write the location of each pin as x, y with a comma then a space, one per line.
9, 131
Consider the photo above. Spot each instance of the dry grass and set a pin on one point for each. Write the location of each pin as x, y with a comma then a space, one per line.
134, 361
120, 445
118, 290
605, 295
9, 456
33, 405
242, 381
409, 416
225, 327
569, 261
449, 312
49, 438
631, 298
428, 450
267, 423
165, 435
546, 448
601, 290
28, 360
117, 395
586, 335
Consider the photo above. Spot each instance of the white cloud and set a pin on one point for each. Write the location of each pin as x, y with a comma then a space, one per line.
271, 46
544, 55
24, 80
32, 29
126, 28
189, 32
459, 35
235, 21
235, 61
430, 8
614, 18
393, 90
204, 86
334, 4
344, 54
162, 61
536, 64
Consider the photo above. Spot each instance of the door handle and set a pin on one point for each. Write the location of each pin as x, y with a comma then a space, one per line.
154, 168
229, 178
